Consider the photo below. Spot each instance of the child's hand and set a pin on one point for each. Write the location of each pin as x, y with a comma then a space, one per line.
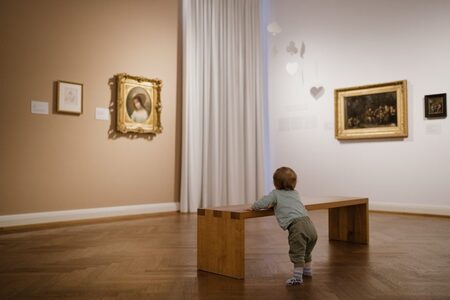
264, 208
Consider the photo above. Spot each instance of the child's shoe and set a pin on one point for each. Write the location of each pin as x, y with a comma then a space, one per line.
294, 281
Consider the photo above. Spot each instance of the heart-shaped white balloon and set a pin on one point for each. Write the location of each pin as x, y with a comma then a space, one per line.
317, 92
292, 68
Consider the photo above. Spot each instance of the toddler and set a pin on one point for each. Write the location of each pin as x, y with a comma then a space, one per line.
291, 215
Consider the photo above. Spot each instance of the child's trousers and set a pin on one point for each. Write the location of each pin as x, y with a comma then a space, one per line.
302, 239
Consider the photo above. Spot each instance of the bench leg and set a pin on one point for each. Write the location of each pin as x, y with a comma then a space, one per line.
220, 243
349, 223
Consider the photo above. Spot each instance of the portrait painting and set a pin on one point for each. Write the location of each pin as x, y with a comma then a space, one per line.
436, 106
371, 111
138, 104
69, 97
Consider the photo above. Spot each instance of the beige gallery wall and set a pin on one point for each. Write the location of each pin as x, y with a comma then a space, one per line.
59, 162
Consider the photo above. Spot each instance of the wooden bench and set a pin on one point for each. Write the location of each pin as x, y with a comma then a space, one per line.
221, 230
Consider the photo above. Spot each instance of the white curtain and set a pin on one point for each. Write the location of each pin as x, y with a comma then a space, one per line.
222, 154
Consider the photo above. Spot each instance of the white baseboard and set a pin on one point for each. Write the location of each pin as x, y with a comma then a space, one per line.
85, 214
129, 210
441, 210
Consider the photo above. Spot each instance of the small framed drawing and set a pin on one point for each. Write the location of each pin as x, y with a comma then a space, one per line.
69, 97
436, 106
138, 104
371, 111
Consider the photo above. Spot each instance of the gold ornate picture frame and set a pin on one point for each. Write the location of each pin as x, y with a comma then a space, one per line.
138, 104
371, 111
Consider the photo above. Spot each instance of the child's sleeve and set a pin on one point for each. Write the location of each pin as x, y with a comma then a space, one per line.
267, 201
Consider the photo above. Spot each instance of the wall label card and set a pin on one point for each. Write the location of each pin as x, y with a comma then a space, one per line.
434, 129
39, 107
102, 113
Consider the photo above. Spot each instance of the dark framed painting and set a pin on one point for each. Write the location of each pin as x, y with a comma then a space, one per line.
371, 111
436, 106
138, 104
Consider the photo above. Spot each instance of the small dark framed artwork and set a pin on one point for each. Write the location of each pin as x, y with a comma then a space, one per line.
436, 106
69, 97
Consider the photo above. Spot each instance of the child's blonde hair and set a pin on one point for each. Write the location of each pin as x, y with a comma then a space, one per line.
285, 178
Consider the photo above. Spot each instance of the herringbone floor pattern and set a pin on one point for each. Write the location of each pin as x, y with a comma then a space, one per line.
155, 258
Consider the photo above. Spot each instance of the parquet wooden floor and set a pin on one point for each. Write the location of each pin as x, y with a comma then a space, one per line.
155, 258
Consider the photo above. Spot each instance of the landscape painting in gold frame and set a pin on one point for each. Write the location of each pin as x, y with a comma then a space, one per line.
138, 104
372, 111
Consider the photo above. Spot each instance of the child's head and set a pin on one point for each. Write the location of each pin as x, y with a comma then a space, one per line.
284, 178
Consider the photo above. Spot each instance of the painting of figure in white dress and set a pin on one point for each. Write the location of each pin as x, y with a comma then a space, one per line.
138, 105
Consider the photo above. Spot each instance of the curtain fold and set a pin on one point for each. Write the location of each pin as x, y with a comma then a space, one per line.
222, 143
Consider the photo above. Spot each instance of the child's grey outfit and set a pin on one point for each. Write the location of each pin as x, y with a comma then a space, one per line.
292, 215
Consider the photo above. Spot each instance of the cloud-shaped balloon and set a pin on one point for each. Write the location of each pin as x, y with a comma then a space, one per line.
274, 28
